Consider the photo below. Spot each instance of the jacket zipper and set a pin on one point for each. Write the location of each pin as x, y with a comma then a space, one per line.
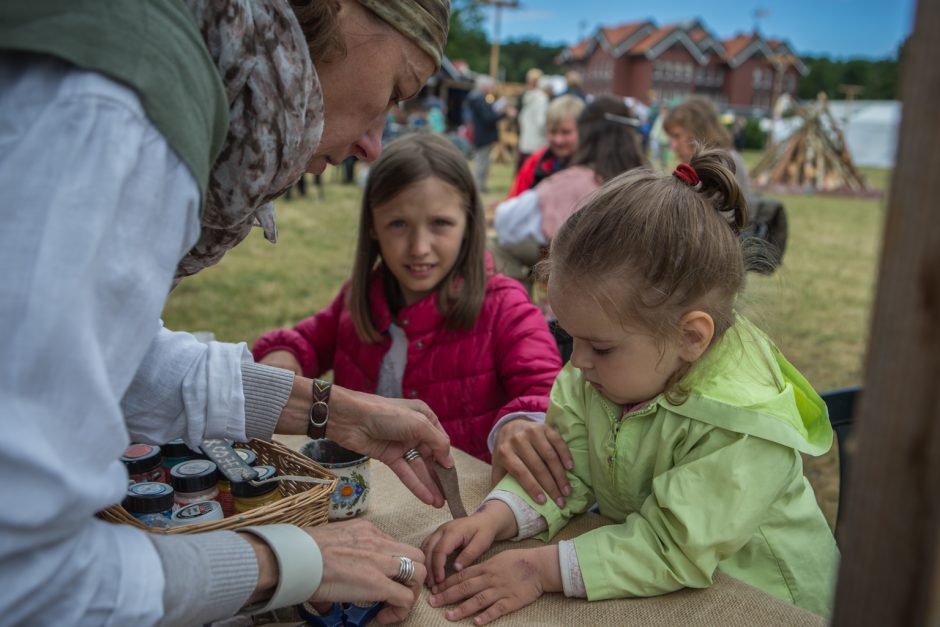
615, 432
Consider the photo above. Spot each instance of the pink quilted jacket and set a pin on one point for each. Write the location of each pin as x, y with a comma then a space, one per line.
507, 362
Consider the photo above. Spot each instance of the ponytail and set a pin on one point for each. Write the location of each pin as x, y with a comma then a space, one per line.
716, 169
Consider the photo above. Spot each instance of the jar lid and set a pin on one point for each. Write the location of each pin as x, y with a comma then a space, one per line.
194, 475
148, 497
178, 448
140, 458
247, 455
245, 489
203, 511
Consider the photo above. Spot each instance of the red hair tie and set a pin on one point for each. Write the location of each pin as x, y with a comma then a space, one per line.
687, 174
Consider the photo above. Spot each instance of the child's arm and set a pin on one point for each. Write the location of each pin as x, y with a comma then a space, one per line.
283, 359
526, 355
494, 520
501, 585
566, 403
312, 342
515, 578
527, 362
534, 454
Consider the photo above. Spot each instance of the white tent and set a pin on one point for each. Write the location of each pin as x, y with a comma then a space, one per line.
870, 128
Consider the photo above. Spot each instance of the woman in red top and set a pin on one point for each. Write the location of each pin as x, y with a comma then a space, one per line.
561, 121
423, 316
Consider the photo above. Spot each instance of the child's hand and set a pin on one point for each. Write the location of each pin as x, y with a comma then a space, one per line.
536, 456
283, 359
501, 585
474, 533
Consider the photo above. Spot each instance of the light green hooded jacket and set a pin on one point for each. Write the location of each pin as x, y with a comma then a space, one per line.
716, 482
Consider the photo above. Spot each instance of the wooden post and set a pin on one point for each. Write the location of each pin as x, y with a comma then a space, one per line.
780, 63
890, 572
850, 92
494, 46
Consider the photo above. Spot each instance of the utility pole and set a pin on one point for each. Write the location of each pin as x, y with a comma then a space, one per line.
582, 28
780, 63
494, 46
758, 15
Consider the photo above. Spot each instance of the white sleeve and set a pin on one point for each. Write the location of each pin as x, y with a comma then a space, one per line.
519, 219
96, 211
187, 389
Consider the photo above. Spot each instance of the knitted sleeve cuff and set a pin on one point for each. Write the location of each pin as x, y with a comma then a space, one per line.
299, 563
528, 521
571, 579
208, 576
267, 390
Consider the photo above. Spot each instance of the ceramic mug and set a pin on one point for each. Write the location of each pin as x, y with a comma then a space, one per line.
351, 496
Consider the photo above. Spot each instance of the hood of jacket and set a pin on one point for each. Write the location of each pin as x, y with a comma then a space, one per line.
744, 384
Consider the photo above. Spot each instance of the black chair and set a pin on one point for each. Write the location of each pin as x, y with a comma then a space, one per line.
841, 405
563, 340
768, 225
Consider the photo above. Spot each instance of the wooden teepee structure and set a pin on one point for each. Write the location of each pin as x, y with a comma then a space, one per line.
814, 158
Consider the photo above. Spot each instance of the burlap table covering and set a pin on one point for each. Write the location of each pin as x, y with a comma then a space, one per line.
728, 601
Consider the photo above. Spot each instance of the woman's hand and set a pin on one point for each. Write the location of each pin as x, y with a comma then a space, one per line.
493, 520
501, 585
536, 456
282, 359
383, 428
359, 562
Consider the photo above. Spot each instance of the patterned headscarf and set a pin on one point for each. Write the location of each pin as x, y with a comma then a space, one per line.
275, 119
425, 22
275, 108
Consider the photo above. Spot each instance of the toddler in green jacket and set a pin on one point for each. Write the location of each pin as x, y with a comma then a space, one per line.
684, 422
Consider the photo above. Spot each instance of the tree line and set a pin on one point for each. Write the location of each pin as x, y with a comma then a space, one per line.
877, 79
469, 40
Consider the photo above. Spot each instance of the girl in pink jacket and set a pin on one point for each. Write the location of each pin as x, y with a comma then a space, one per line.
423, 315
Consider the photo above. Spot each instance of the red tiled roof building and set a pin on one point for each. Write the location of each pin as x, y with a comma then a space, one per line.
643, 60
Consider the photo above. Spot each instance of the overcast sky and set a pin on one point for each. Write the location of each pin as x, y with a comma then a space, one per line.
839, 28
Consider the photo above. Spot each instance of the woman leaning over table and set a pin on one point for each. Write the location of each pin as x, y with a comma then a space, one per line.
170, 127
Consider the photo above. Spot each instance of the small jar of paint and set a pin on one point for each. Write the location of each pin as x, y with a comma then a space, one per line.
248, 496
225, 487
195, 480
195, 513
144, 463
151, 503
176, 452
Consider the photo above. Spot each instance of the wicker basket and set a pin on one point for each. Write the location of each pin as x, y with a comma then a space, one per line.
302, 504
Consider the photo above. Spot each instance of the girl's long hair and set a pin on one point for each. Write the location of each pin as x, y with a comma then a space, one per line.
404, 162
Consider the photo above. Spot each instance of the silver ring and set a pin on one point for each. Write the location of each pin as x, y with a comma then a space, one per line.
406, 570
411, 455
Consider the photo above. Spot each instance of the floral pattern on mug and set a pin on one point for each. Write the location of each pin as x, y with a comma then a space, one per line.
349, 492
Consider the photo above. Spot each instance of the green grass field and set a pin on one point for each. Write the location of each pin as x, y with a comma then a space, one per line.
817, 306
